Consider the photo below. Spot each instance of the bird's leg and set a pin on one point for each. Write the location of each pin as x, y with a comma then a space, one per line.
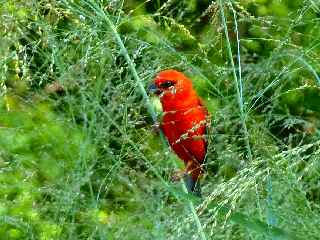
179, 174
156, 127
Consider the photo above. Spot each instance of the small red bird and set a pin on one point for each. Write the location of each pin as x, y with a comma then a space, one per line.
183, 123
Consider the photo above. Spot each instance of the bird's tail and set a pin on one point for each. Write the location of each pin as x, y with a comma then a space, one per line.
192, 185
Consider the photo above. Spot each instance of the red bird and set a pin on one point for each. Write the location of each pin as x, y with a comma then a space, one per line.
183, 122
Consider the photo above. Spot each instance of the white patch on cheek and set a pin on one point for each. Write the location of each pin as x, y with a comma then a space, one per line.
173, 89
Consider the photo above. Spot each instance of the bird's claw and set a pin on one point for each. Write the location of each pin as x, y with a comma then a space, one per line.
156, 127
177, 176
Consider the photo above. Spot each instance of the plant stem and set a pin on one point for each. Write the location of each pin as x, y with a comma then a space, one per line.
238, 82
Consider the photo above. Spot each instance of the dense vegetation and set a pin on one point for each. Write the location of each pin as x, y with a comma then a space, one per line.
78, 155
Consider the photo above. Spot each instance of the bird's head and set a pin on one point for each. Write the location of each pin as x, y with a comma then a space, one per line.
171, 84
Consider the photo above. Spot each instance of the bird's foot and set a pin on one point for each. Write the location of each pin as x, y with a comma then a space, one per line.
177, 175
156, 127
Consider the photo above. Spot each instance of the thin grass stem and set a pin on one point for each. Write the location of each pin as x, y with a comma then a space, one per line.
237, 81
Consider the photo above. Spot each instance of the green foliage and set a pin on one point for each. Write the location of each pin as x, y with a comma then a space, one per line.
38, 151
79, 159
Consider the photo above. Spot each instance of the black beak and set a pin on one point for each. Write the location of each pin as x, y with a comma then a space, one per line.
153, 89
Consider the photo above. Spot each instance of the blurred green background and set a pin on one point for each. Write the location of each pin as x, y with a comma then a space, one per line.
79, 158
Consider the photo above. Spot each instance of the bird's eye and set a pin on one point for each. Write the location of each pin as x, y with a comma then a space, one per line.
166, 84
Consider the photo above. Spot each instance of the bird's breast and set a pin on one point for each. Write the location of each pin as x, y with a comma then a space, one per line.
184, 124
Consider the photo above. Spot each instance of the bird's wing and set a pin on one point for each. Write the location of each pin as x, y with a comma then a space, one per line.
185, 131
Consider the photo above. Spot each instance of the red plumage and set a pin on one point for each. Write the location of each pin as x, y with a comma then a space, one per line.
184, 119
